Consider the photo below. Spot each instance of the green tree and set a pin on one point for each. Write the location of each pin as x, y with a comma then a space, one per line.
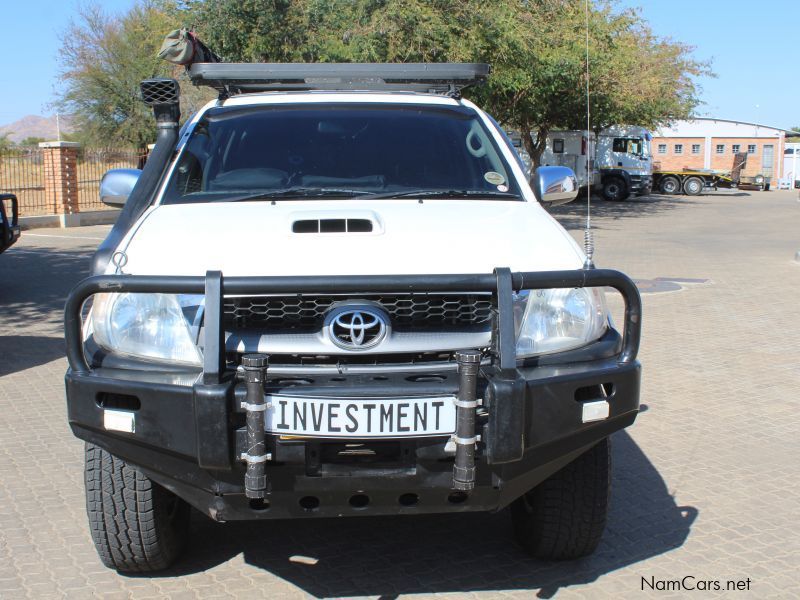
5, 142
103, 59
537, 50
539, 75
31, 140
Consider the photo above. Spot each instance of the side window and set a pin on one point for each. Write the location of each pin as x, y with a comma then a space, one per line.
751, 148
620, 145
678, 148
736, 148
695, 148
481, 149
662, 148
720, 148
188, 178
558, 146
512, 146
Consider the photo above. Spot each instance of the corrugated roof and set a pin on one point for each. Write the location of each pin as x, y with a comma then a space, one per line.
742, 123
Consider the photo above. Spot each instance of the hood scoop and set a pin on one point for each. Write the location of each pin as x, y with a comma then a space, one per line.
332, 226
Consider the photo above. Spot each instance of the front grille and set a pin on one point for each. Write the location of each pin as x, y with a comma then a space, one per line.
316, 361
408, 312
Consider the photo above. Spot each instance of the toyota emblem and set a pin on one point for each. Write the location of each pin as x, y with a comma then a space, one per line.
357, 327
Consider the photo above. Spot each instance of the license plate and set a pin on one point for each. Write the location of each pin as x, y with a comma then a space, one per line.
360, 417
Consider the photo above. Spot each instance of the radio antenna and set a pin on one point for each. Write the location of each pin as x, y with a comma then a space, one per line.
588, 234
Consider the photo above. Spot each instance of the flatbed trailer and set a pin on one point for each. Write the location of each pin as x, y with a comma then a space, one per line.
692, 183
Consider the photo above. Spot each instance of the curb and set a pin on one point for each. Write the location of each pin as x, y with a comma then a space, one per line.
91, 217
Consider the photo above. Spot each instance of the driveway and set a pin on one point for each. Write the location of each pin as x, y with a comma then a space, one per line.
705, 483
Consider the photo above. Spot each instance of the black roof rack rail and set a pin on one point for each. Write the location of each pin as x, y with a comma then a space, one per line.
436, 78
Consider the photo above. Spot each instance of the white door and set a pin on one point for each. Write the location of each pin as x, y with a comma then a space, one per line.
767, 160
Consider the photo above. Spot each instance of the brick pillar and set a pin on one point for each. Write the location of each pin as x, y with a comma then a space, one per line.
61, 179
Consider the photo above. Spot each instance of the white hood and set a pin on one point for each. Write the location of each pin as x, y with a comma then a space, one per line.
432, 237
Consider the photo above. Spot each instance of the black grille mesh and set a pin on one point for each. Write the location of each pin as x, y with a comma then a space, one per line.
410, 312
160, 91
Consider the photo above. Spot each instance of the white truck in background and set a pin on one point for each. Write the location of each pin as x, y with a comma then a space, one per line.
624, 151
791, 162
618, 163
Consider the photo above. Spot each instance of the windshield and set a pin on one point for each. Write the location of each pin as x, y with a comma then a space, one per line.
635, 146
345, 150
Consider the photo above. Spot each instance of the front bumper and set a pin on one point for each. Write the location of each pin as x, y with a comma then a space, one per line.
188, 437
641, 184
190, 429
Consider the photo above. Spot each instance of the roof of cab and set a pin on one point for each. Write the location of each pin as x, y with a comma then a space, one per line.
348, 97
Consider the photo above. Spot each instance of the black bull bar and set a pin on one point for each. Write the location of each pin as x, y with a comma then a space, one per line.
502, 284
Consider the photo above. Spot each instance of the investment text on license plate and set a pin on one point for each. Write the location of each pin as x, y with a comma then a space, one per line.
360, 417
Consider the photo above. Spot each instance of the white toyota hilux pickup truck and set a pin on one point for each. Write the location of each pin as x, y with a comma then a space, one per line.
333, 292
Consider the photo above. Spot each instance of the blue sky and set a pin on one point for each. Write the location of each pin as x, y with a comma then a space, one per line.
754, 48
28, 79
755, 56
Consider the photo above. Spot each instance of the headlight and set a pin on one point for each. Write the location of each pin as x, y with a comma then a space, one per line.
558, 319
157, 327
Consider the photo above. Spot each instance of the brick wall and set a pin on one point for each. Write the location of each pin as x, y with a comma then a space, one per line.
754, 166
673, 161
61, 176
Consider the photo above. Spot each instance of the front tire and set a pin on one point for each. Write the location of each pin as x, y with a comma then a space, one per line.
137, 525
563, 518
614, 189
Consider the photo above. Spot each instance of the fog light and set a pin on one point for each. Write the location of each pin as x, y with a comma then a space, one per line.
119, 420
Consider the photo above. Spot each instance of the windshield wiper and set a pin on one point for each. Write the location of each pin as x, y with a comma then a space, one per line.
316, 192
296, 192
442, 194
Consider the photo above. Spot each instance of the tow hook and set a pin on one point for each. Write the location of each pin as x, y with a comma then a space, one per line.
255, 373
469, 362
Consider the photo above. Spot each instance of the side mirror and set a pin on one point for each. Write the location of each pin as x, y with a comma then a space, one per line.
116, 186
555, 185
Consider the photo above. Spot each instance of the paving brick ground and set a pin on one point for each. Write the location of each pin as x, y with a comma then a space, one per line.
705, 483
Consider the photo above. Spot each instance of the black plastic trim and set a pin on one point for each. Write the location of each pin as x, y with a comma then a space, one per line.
9, 228
259, 77
504, 328
621, 173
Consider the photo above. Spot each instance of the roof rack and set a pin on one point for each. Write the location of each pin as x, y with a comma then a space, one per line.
435, 78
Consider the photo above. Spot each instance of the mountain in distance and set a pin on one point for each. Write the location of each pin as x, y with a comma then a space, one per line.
36, 126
